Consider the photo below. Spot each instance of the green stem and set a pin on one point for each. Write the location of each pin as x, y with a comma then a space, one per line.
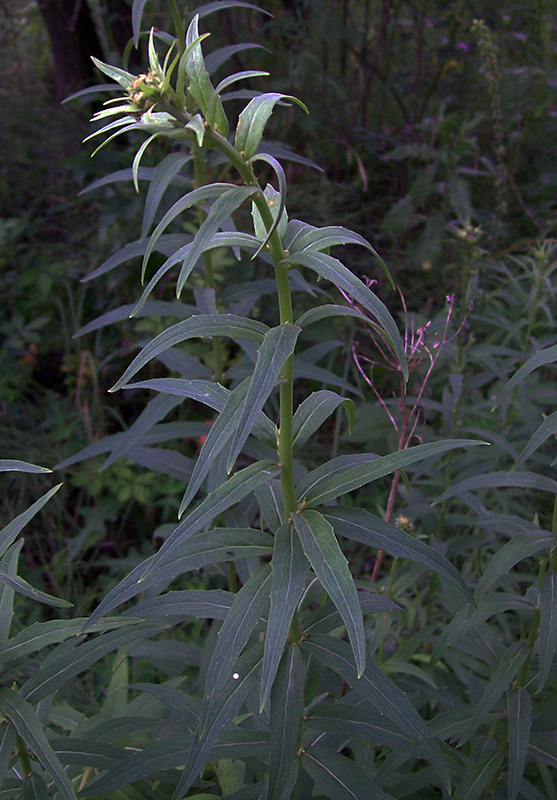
23, 756
178, 26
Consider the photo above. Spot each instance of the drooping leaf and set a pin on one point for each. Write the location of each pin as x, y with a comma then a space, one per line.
13, 465
197, 326
338, 777
287, 705
381, 692
346, 473
273, 352
27, 724
21, 586
519, 710
166, 245
10, 562
289, 569
313, 412
546, 429
496, 480
247, 607
332, 270
331, 567
163, 174
13, 528
361, 526
539, 359
276, 202
514, 551
253, 119
319, 313
122, 77
548, 626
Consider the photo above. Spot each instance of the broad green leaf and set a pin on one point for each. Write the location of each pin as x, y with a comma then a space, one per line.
332, 270
313, 412
511, 553
193, 198
546, 429
331, 236
519, 710
338, 777
245, 612
276, 347
503, 675
539, 359
13, 465
26, 723
248, 669
206, 603
9, 562
156, 409
346, 473
287, 706
359, 525
382, 693
197, 126
215, 102
331, 567
13, 528
289, 569
197, 326
478, 776
548, 626
213, 547
122, 77
20, 586
254, 117
496, 480
163, 174
199, 82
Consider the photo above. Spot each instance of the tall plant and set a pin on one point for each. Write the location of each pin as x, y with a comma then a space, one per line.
287, 675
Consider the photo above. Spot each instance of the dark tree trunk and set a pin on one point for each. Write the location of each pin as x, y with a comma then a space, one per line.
73, 40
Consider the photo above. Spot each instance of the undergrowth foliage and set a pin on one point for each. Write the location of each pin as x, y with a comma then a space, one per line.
305, 679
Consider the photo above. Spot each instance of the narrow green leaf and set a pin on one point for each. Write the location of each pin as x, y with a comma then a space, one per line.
199, 82
163, 174
13, 528
503, 675
197, 126
331, 567
7, 593
497, 480
519, 710
359, 525
219, 213
206, 603
213, 547
166, 244
313, 412
338, 777
276, 202
276, 347
478, 776
137, 159
319, 313
13, 465
287, 706
546, 429
539, 359
334, 271
544, 748
137, 12
35, 788
382, 693
21, 586
247, 607
218, 5
514, 551
122, 77
253, 119
26, 723
197, 326
345, 473
289, 569
548, 626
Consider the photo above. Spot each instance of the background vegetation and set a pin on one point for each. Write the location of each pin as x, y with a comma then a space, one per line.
435, 126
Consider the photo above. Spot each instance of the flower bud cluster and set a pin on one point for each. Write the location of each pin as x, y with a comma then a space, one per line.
145, 92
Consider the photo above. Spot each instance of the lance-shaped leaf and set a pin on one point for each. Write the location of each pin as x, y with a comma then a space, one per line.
345, 473
248, 670
334, 271
548, 626
124, 78
313, 412
319, 313
21, 586
163, 174
496, 480
13, 528
254, 117
205, 603
382, 693
503, 675
511, 553
361, 526
247, 607
214, 547
331, 567
539, 359
289, 569
276, 202
545, 430
13, 465
519, 710
274, 350
166, 245
338, 777
199, 82
197, 326
26, 723
287, 705
7, 593
478, 776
